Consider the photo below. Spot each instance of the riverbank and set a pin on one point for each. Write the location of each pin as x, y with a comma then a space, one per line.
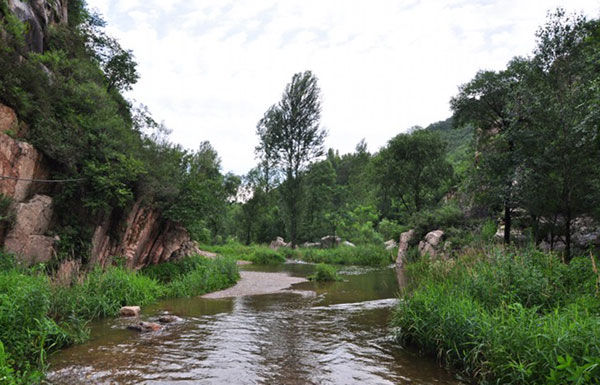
516, 316
361, 255
38, 317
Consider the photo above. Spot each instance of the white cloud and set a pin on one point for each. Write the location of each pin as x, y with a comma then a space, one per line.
210, 69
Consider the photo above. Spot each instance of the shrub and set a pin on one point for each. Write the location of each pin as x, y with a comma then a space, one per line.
369, 255
325, 272
266, 256
445, 216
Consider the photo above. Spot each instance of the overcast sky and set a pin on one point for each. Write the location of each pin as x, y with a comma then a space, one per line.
211, 68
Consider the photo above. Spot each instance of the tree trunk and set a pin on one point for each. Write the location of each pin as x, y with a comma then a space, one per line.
568, 235
507, 223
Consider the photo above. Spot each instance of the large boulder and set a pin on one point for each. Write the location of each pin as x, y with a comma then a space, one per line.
330, 241
431, 244
405, 239
348, 243
277, 243
586, 233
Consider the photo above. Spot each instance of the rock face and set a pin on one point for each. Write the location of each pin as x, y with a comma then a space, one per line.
38, 15
405, 239
18, 160
147, 239
431, 244
140, 235
27, 237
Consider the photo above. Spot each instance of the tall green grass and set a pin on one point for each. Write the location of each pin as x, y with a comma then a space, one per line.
37, 317
506, 317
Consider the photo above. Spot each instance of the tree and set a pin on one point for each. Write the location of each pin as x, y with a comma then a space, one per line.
412, 171
562, 127
291, 135
485, 102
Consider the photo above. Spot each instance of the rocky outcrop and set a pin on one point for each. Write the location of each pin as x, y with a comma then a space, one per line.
19, 161
38, 15
147, 239
431, 244
141, 234
389, 245
330, 241
277, 243
405, 239
27, 236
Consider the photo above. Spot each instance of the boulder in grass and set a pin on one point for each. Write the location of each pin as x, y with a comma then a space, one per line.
130, 311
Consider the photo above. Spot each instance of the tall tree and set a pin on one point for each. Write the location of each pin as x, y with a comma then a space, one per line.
412, 169
290, 132
485, 102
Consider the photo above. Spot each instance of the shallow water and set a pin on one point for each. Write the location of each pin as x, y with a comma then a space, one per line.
328, 333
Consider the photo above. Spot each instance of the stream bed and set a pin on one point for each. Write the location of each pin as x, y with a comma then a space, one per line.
316, 333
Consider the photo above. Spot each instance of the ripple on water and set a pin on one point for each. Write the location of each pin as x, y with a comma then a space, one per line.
270, 339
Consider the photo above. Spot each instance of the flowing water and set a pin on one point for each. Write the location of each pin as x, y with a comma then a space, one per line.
319, 333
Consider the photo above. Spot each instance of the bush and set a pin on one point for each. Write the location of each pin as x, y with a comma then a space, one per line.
445, 216
208, 275
505, 317
325, 272
266, 256
391, 229
370, 255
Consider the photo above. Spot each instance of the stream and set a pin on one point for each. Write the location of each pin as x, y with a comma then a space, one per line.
317, 333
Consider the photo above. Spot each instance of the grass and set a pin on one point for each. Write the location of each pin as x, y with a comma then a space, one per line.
506, 317
369, 255
325, 273
37, 317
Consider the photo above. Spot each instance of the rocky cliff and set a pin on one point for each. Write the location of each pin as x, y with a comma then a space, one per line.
140, 234
38, 15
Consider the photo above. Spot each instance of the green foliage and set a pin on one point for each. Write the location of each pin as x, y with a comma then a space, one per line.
505, 317
291, 138
448, 215
358, 226
367, 255
266, 256
325, 273
390, 229
26, 331
203, 276
412, 172
103, 293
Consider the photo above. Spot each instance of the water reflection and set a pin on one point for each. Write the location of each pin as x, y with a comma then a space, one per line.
338, 336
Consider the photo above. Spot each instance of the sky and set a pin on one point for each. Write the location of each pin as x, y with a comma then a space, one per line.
209, 69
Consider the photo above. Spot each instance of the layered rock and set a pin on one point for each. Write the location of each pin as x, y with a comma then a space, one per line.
147, 239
